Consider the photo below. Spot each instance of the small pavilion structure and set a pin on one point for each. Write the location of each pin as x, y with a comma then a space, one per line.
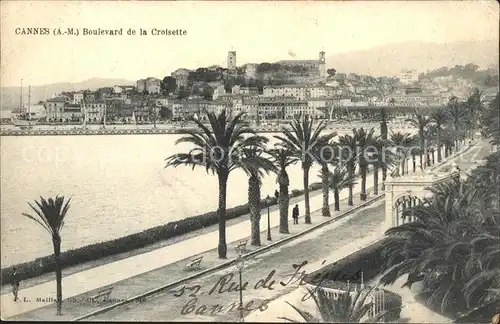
411, 190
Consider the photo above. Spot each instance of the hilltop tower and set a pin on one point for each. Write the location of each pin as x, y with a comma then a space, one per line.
231, 60
322, 64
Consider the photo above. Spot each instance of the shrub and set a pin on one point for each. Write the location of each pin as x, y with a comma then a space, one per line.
369, 261
127, 243
316, 186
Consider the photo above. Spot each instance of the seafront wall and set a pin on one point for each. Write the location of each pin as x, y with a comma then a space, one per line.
131, 242
108, 131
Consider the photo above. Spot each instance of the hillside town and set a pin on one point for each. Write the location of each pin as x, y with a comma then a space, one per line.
264, 91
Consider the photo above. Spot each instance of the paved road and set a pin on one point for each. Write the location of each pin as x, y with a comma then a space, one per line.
326, 244
220, 289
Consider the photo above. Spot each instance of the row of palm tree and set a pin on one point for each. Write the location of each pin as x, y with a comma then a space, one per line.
453, 246
449, 126
229, 144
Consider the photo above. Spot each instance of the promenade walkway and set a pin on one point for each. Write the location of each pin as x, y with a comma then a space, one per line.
108, 274
111, 273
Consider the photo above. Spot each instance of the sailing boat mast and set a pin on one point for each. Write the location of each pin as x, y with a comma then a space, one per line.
21, 98
29, 102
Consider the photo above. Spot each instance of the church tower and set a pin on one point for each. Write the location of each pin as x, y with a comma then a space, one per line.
231, 60
322, 65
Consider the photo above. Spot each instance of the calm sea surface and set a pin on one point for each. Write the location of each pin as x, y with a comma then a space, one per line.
118, 186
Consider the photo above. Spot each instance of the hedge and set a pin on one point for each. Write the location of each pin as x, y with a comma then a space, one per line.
369, 260
127, 243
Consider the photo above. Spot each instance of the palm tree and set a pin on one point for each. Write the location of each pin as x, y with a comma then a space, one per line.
475, 107
325, 155
363, 139
348, 156
338, 180
217, 148
381, 158
400, 142
439, 118
255, 166
282, 158
383, 135
421, 121
346, 308
50, 215
490, 119
302, 140
458, 119
413, 150
448, 141
452, 246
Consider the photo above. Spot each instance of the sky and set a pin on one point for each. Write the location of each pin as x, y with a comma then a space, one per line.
257, 31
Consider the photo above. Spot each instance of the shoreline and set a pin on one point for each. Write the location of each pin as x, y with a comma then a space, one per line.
109, 131
134, 251
113, 130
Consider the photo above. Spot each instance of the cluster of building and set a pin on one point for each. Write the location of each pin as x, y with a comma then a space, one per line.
311, 93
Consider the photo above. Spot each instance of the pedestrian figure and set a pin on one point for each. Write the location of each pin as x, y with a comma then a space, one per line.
276, 194
295, 214
15, 283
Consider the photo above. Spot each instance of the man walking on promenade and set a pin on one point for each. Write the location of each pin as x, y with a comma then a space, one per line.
15, 283
276, 195
295, 214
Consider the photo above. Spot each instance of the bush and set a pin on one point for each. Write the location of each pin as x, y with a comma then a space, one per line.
369, 260
127, 243
316, 186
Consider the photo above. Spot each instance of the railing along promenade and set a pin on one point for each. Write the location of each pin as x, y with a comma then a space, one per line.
106, 131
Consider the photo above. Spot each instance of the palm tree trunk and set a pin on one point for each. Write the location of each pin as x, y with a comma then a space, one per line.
362, 194
403, 167
384, 176
56, 241
439, 157
254, 206
336, 196
375, 180
325, 211
221, 213
306, 196
351, 194
283, 201
414, 160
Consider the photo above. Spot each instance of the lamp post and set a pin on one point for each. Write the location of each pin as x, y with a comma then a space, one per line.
454, 166
240, 264
268, 201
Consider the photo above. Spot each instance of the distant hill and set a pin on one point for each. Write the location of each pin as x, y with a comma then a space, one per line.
390, 59
10, 96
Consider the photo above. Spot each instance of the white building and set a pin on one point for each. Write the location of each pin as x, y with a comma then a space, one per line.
153, 85
181, 77
140, 85
316, 92
94, 111
314, 107
220, 90
78, 97
251, 70
408, 76
296, 91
